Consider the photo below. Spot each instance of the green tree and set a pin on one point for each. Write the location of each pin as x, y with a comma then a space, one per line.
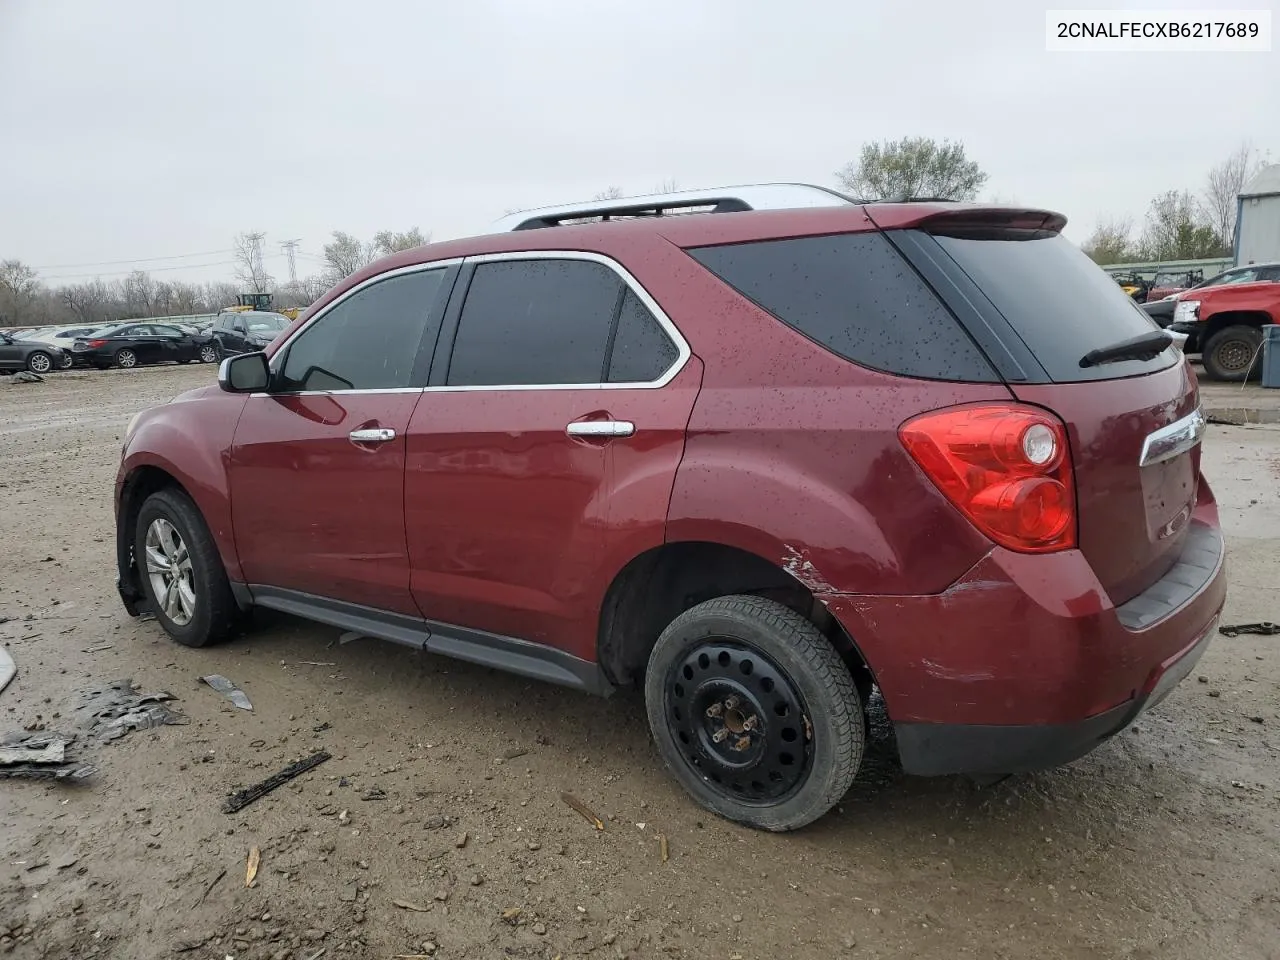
1111, 242
1178, 229
912, 167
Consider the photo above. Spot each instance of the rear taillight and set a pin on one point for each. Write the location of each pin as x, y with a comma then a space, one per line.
97, 343
1005, 466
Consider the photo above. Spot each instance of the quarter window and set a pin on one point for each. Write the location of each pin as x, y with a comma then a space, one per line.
642, 351
541, 321
369, 341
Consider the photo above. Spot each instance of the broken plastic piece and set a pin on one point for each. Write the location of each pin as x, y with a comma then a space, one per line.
111, 712
228, 690
242, 798
7, 668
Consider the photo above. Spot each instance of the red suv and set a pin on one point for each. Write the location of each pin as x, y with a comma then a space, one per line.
758, 462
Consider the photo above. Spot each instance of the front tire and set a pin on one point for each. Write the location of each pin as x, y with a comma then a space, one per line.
39, 362
181, 572
754, 712
126, 359
1231, 353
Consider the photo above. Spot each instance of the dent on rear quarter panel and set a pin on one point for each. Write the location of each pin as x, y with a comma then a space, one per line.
191, 440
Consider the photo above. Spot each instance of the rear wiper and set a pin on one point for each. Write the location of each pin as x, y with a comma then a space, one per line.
1143, 347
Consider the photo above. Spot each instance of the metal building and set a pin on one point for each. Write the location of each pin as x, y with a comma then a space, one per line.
1258, 218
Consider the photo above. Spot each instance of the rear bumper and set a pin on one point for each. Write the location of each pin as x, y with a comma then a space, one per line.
1025, 663
1191, 330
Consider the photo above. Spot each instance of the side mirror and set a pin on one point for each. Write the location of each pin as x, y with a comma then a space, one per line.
244, 373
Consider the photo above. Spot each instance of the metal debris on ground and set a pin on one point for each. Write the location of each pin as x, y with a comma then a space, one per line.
242, 798
251, 867
40, 757
583, 809
112, 711
7, 668
228, 689
1264, 628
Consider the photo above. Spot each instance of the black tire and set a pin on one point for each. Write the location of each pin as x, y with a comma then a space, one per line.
126, 359
1227, 355
215, 613
39, 362
209, 353
765, 657
68, 362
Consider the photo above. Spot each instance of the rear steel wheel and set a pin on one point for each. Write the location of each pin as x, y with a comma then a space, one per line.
754, 712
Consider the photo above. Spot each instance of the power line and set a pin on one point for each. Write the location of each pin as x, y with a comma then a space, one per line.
116, 273
290, 248
111, 263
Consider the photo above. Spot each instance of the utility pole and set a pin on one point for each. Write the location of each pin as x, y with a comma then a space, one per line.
290, 248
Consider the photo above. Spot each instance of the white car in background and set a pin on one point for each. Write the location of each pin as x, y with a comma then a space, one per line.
62, 337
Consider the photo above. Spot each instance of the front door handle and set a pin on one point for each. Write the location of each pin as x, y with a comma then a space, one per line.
600, 428
372, 435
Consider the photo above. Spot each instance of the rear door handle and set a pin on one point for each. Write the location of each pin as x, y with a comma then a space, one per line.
372, 435
600, 428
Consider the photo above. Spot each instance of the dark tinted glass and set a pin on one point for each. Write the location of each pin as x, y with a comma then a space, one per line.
1059, 302
369, 341
855, 295
642, 351
162, 331
535, 322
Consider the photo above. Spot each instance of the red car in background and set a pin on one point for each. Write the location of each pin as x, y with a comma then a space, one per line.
757, 460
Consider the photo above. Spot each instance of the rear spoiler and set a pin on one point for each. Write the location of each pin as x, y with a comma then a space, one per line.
970, 221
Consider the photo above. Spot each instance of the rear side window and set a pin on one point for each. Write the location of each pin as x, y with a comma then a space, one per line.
369, 341
855, 295
528, 322
1058, 301
642, 351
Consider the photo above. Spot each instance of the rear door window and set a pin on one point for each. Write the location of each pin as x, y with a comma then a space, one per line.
857, 296
535, 322
1058, 301
642, 351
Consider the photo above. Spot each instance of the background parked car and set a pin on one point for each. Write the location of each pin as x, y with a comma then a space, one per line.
134, 344
62, 337
1167, 284
247, 330
1161, 311
30, 355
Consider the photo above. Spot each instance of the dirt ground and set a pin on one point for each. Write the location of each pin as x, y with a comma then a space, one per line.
425, 833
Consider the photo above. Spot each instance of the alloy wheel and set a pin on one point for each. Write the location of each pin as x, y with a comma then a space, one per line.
169, 570
40, 363
127, 358
739, 721
208, 354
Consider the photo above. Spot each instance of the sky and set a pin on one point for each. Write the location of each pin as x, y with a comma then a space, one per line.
154, 131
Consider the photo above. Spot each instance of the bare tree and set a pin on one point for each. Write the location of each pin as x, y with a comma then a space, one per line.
912, 167
219, 294
609, 193
345, 255
1224, 184
188, 298
138, 291
249, 267
89, 302
19, 291
388, 241
669, 185
1111, 241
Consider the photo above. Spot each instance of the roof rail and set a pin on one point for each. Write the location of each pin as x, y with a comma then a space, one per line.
756, 196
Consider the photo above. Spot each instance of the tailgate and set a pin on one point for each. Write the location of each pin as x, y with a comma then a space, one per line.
1133, 516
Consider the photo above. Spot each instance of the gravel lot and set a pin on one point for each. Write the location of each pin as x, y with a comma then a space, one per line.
437, 827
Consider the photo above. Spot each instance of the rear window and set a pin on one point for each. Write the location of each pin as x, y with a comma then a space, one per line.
855, 295
1059, 302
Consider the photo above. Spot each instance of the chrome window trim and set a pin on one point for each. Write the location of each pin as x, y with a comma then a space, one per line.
683, 351
1174, 439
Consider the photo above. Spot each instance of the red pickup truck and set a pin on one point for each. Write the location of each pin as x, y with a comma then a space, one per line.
1224, 322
